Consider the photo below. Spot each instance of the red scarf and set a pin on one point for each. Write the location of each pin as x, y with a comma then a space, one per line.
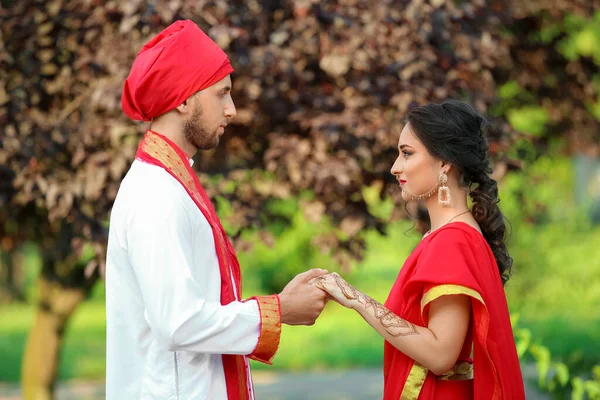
158, 150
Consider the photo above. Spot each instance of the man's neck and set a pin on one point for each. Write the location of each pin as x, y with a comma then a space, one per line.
175, 135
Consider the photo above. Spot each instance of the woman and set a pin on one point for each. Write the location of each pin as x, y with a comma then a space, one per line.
446, 323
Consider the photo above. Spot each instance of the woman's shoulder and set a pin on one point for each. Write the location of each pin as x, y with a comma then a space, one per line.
453, 254
456, 238
455, 232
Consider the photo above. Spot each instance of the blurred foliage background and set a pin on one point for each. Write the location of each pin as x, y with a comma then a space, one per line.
301, 179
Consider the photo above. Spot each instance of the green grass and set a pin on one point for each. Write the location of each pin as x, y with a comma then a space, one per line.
15, 320
83, 349
340, 339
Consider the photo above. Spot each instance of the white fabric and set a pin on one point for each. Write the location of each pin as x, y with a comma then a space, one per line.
166, 327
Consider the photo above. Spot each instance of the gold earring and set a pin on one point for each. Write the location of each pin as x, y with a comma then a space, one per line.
444, 197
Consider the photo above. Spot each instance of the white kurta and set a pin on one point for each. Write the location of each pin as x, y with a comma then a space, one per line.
166, 327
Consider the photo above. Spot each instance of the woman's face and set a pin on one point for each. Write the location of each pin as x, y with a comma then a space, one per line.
416, 170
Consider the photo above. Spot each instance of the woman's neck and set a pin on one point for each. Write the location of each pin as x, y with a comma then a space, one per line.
440, 215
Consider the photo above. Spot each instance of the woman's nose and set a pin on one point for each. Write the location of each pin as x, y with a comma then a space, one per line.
396, 168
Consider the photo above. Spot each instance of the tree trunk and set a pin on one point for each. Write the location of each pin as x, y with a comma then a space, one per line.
42, 351
16, 278
11, 285
5, 272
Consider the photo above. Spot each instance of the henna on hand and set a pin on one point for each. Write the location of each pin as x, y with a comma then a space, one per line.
393, 324
347, 289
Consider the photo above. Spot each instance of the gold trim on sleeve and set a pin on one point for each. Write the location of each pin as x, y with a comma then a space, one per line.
270, 329
444, 290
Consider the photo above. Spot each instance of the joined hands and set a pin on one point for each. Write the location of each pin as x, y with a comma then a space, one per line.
337, 289
301, 303
304, 297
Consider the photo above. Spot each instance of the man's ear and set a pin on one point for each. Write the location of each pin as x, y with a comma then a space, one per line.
185, 107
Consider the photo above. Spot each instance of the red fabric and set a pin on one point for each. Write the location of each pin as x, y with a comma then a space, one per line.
236, 373
178, 62
457, 254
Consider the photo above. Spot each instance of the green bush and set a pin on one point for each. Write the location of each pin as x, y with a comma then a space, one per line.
267, 268
555, 376
553, 243
554, 287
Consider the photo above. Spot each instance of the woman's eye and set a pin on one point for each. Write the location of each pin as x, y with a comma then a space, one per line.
406, 153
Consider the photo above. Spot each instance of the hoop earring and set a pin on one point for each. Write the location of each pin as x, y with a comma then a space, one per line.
444, 197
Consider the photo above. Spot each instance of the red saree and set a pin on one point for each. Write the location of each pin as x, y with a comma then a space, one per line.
158, 150
455, 259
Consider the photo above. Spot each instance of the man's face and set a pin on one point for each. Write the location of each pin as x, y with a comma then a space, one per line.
212, 108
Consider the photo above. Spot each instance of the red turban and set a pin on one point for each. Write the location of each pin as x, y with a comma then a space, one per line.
178, 62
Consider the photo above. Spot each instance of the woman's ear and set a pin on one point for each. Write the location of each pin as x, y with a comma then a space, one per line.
446, 166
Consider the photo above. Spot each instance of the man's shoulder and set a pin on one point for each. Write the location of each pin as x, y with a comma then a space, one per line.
151, 183
148, 191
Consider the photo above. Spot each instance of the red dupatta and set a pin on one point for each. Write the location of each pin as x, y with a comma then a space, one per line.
158, 150
455, 259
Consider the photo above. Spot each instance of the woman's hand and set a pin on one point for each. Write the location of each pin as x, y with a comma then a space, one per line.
340, 290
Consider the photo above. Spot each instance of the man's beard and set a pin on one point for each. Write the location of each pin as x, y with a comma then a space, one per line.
197, 135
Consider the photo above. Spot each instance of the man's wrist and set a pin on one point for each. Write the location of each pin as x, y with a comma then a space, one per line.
283, 306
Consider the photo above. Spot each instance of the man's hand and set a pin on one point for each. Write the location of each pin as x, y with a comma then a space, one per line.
301, 303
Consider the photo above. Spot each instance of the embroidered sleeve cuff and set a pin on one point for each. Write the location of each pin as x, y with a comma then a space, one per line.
270, 328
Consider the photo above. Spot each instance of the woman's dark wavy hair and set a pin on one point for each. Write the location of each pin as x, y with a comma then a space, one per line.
455, 132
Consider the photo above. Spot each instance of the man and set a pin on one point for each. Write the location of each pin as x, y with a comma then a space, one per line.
176, 327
